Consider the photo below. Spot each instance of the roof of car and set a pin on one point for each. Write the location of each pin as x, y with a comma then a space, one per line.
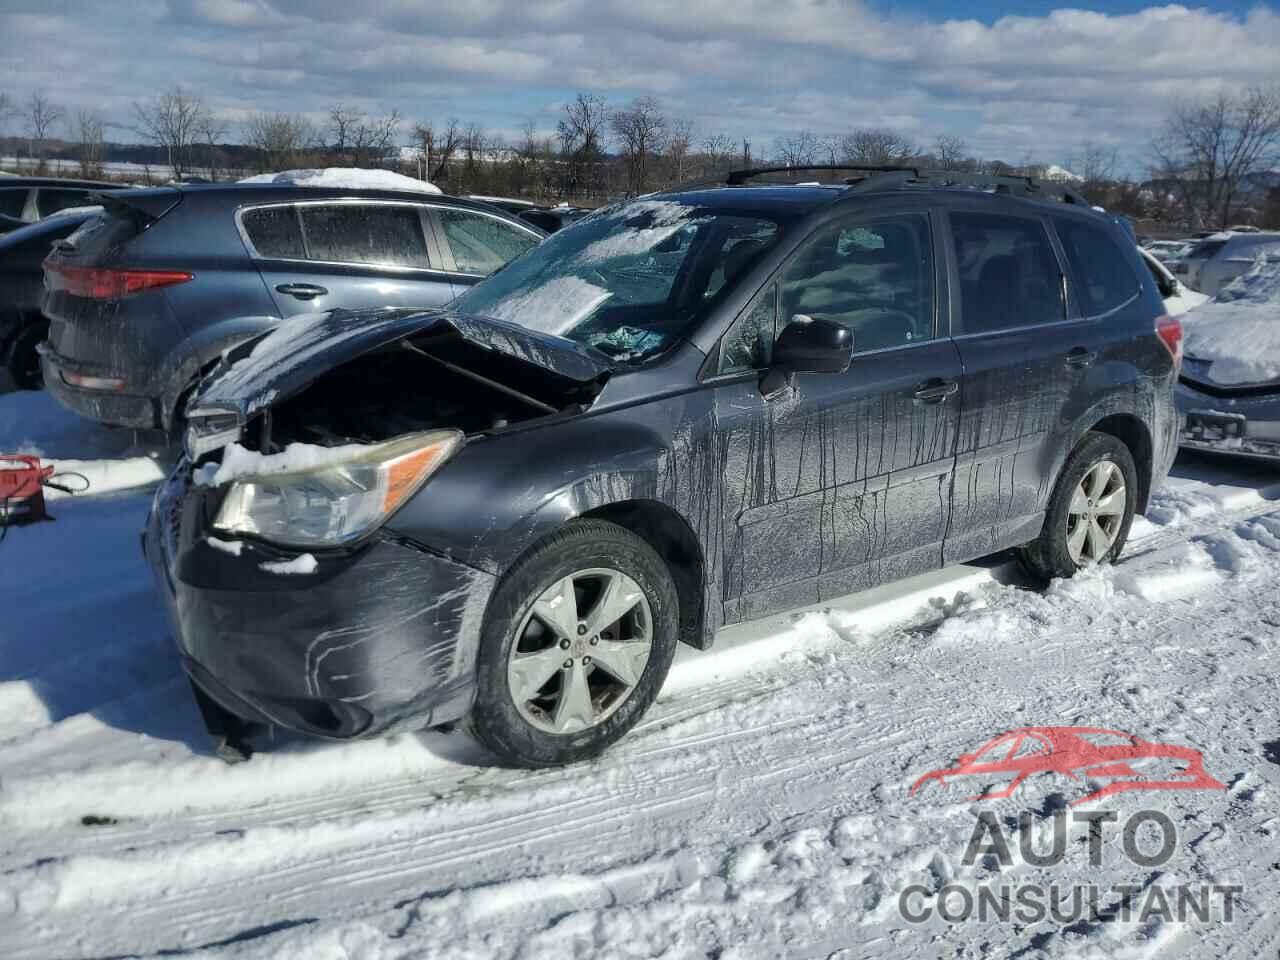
59, 182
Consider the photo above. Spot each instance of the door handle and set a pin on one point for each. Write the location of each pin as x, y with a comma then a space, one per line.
1079, 358
303, 291
935, 391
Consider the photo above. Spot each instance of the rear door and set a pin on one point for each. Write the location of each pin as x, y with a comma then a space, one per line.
843, 482
1024, 350
318, 255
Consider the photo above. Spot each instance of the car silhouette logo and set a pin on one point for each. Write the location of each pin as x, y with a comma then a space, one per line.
1112, 760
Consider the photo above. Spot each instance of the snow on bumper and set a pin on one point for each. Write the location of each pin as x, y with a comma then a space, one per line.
1245, 425
365, 641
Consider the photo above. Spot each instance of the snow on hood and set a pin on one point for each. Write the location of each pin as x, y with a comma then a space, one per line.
1238, 333
354, 178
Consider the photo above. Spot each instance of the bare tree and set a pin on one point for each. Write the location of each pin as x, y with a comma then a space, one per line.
343, 121
210, 129
1096, 166
797, 150
679, 145
951, 153
438, 147
641, 130
278, 138
88, 130
7, 109
1208, 148
875, 145
581, 134
42, 114
719, 153
173, 122
374, 138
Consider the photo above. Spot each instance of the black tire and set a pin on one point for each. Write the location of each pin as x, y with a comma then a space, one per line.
581, 545
23, 362
1048, 556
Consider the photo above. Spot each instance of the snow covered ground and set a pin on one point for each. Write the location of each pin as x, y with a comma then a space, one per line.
761, 809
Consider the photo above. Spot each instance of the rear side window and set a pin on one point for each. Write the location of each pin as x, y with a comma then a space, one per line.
482, 244
359, 233
50, 201
12, 201
274, 232
1104, 278
1009, 273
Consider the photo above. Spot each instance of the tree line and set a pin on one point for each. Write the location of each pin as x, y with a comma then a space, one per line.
1211, 164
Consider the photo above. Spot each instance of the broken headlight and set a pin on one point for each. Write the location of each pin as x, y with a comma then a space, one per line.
337, 502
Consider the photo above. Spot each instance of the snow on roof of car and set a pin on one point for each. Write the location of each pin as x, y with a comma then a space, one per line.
75, 211
355, 178
1238, 331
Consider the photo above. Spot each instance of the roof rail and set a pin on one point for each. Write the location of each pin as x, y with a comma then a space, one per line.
737, 178
1018, 186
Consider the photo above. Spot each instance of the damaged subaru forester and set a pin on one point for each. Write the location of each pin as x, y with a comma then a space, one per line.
686, 410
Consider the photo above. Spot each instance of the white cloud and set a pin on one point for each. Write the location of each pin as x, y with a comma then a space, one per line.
759, 68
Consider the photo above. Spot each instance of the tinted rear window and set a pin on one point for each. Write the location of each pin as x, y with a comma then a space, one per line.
1104, 277
275, 232
12, 201
355, 233
1205, 249
1009, 274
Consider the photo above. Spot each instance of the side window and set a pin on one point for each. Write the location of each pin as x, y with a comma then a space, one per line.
875, 277
274, 232
50, 201
1103, 277
748, 344
1009, 273
356, 233
482, 244
12, 201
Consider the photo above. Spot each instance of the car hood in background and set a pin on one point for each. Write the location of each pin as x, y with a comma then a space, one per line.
1233, 342
286, 360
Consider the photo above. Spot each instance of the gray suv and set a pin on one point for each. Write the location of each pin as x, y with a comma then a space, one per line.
145, 298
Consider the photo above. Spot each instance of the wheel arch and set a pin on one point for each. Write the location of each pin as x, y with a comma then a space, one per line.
670, 535
1134, 434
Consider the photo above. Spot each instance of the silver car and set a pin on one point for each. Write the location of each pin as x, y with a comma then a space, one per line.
1217, 260
1229, 391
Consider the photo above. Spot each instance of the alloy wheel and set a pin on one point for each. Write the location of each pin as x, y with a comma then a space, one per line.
580, 651
1096, 513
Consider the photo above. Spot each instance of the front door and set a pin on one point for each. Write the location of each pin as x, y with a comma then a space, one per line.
842, 481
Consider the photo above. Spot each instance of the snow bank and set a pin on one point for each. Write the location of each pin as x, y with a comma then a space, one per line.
352, 178
1240, 330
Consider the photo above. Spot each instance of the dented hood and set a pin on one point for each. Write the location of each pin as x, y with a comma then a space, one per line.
279, 364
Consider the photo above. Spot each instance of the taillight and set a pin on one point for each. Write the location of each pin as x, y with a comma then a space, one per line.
97, 283
1169, 330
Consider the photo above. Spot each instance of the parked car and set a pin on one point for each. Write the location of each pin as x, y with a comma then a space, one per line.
1218, 259
1229, 391
22, 326
691, 409
555, 218
509, 204
25, 200
1168, 251
1177, 298
143, 299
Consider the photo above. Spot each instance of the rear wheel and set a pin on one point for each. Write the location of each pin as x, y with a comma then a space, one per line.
578, 640
1090, 511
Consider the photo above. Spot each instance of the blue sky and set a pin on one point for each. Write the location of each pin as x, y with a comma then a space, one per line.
1031, 82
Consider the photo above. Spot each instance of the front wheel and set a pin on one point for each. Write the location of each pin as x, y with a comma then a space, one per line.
577, 642
1090, 511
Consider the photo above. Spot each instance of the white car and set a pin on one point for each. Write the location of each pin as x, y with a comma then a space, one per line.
1178, 299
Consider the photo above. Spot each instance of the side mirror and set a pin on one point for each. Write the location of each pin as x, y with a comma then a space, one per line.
808, 345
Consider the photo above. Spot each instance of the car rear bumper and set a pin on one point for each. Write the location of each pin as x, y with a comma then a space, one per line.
376, 639
114, 407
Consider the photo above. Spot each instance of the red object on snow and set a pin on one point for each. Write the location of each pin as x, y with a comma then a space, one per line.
22, 482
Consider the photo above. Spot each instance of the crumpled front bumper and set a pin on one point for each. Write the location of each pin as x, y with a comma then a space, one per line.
378, 638
1245, 425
